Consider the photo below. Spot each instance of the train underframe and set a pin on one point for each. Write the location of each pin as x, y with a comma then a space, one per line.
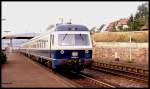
75, 65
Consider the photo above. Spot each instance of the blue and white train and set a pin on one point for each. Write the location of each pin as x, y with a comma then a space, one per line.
68, 45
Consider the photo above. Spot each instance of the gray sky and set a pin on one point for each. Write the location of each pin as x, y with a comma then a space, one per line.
37, 16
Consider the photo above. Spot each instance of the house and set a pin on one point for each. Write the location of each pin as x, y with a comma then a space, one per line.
111, 26
122, 23
145, 27
101, 28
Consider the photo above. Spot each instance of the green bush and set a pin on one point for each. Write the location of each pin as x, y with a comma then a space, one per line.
3, 57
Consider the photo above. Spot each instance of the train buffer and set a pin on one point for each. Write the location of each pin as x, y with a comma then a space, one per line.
20, 72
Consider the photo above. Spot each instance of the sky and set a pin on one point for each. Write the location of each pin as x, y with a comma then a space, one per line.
24, 17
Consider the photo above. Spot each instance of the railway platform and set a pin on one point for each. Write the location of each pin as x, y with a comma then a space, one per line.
21, 72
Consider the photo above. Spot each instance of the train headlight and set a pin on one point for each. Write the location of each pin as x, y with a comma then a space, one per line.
86, 51
74, 54
62, 51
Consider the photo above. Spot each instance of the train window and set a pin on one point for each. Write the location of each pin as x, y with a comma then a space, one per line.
73, 39
37, 44
40, 43
43, 44
65, 39
81, 39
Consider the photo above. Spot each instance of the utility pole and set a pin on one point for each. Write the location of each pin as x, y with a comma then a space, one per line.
131, 42
130, 48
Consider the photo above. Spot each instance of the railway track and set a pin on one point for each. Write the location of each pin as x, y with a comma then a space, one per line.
115, 79
84, 80
126, 71
95, 83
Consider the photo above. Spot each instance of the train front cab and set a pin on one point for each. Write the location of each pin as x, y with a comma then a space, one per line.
72, 51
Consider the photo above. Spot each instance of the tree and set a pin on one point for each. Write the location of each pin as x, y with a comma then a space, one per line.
120, 28
143, 10
140, 18
113, 30
131, 23
130, 19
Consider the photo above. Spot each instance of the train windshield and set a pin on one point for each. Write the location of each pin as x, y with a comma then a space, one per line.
73, 39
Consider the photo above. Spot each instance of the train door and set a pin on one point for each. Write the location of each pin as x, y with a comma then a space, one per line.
51, 43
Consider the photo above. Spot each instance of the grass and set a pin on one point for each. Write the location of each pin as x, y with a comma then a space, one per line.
137, 36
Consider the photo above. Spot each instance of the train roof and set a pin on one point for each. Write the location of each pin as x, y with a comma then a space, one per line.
71, 27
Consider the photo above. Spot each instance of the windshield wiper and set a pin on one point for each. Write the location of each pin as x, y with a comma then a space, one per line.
65, 36
81, 37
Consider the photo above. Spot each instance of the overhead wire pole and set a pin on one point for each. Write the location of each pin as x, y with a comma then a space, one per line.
131, 41
10, 46
70, 21
3, 19
130, 48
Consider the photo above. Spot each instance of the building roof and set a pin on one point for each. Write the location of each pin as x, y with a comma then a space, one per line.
145, 27
117, 23
20, 36
123, 21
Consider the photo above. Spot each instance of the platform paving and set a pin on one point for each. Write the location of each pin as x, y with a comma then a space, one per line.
20, 71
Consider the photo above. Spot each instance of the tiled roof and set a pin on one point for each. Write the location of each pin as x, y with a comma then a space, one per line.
145, 27
123, 21
117, 23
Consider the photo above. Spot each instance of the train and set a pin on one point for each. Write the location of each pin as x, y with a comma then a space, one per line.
68, 46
